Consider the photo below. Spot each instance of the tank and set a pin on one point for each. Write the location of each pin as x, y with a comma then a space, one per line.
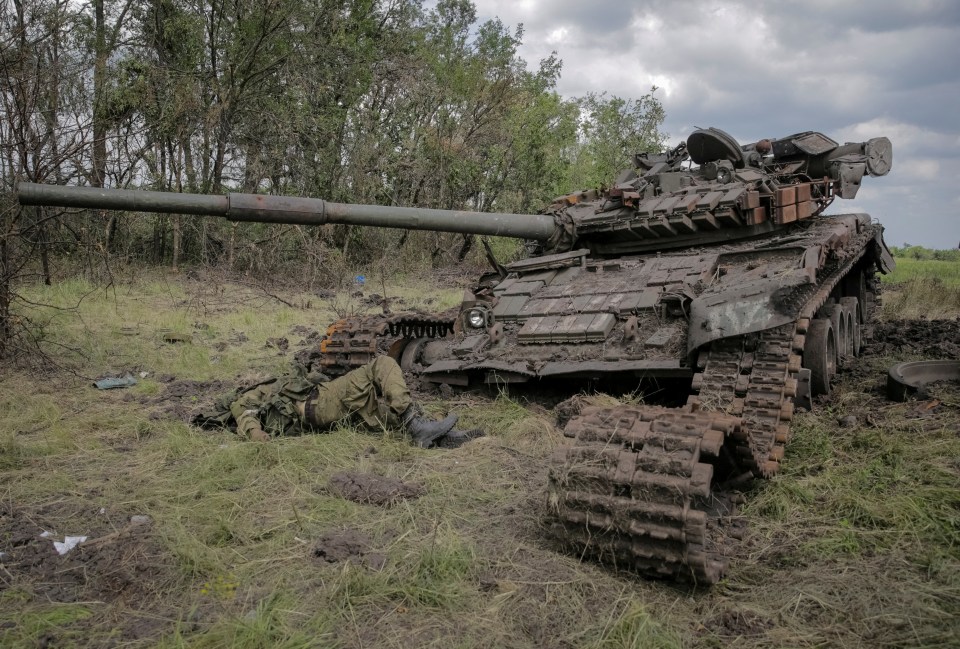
705, 276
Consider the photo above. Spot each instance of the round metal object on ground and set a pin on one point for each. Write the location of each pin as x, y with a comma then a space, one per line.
820, 355
906, 378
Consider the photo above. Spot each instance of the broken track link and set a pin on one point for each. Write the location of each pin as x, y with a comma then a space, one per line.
634, 489
754, 377
353, 342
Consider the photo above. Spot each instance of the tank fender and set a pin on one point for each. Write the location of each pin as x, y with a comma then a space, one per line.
881, 253
743, 309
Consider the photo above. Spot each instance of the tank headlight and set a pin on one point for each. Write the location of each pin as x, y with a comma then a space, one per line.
476, 318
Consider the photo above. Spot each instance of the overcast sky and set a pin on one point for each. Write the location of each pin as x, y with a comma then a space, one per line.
851, 69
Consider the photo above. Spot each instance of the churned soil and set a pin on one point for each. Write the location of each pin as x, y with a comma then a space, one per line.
932, 339
374, 489
348, 545
120, 563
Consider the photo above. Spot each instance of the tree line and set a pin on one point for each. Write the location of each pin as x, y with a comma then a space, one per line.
366, 101
925, 254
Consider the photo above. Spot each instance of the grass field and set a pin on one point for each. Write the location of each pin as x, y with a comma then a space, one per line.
922, 289
855, 544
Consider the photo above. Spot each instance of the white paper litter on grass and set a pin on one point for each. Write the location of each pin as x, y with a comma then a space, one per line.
68, 544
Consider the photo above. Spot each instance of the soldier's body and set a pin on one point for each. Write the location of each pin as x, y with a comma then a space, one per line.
375, 394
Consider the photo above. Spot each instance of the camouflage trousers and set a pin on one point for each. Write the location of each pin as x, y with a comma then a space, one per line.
376, 393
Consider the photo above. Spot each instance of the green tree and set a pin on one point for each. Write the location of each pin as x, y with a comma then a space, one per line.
612, 130
41, 138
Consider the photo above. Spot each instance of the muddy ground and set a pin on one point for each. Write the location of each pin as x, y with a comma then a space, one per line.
126, 566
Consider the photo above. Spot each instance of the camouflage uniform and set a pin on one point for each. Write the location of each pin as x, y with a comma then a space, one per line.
376, 392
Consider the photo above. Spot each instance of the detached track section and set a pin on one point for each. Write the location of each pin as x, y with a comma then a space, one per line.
635, 487
754, 377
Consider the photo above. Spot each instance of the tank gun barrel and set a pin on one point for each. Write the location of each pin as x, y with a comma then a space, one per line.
264, 208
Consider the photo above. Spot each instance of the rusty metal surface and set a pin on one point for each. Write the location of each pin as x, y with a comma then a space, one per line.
905, 379
634, 488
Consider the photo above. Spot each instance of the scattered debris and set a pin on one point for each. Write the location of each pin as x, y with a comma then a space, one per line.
69, 543
177, 338
112, 382
568, 409
279, 343
847, 421
738, 624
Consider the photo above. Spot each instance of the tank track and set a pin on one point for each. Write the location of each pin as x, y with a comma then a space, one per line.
754, 377
634, 490
352, 342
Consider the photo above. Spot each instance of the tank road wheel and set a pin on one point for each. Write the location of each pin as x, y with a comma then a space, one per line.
820, 355
411, 353
838, 318
853, 330
855, 285
852, 305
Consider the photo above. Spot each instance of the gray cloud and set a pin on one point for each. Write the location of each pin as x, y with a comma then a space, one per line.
854, 70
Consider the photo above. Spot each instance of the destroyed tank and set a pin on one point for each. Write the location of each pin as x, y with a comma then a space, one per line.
708, 271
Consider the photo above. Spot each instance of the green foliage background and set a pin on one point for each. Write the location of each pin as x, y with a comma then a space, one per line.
388, 102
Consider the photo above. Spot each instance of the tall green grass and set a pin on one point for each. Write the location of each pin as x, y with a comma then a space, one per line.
908, 269
922, 288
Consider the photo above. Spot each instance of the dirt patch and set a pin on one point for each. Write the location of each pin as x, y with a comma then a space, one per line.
348, 545
120, 563
278, 343
190, 389
568, 409
119, 560
736, 624
934, 339
181, 400
374, 489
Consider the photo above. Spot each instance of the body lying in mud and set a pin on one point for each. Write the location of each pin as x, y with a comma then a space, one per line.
309, 402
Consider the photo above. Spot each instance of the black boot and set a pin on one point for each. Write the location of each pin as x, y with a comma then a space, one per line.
457, 438
425, 431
